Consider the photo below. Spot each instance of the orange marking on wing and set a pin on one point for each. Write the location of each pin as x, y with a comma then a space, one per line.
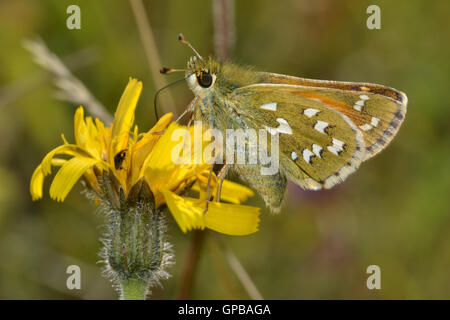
324, 100
357, 118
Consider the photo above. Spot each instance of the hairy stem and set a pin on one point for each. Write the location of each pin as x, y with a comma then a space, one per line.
133, 289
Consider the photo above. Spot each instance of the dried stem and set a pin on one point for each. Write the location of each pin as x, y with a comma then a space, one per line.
239, 271
71, 89
187, 278
151, 52
16, 89
223, 271
223, 16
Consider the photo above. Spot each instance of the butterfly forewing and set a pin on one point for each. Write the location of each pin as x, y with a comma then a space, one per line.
376, 110
319, 146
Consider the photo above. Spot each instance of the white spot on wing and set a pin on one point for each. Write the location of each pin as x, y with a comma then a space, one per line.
364, 97
337, 147
320, 126
332, 149
338, 142
366, 127
310, 112
294, 155
317, 150
272, 131
284, 127
269, 106
307, 155
358, 105
374, 121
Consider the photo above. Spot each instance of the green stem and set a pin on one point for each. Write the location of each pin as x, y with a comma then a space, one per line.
133, 289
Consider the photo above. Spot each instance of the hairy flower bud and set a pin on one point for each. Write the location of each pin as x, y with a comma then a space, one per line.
136, 253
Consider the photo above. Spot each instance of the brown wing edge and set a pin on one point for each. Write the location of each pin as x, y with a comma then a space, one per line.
389, 133
386, 91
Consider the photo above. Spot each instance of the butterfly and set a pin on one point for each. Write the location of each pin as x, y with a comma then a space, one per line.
326, 128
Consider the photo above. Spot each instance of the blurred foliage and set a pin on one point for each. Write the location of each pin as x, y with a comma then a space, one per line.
393, 213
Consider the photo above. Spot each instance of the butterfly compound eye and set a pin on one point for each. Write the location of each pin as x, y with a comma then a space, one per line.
205, 79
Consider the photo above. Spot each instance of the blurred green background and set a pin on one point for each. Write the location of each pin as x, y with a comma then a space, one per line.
394, 212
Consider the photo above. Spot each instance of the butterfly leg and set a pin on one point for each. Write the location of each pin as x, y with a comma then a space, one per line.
187, 138
208, 190
158, 132
221, 176
182, 115
189, 109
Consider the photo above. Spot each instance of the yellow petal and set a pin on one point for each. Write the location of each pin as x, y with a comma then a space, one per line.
162, 152
234, 192
232, 219
86, 133
37, 179
92, 180
67, 149
161, 172
92, 128
162, 123
79, 127
93, 144
185, 211
135, 133
144, 146
231, 191
104, 137
63, 137
201, 184
69, 174
124, 117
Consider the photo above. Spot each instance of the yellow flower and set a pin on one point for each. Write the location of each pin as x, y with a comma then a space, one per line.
101, 154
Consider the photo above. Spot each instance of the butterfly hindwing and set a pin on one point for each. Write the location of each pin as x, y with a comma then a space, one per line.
319, 146
378, 111
270, 187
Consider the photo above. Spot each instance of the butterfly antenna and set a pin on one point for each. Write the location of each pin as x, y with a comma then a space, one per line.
170, 70
183, 40
159, 91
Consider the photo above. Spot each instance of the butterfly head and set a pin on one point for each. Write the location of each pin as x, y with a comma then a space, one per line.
206, 76
201, 75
